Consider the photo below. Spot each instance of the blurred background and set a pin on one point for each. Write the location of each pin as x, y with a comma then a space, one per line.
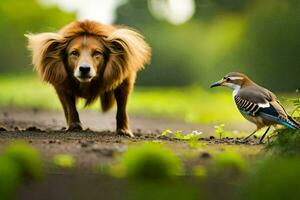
195, 42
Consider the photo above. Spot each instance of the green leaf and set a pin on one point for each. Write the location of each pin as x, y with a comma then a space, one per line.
166, 132
64, 160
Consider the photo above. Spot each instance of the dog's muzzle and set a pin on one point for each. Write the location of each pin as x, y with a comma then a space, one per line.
84, 73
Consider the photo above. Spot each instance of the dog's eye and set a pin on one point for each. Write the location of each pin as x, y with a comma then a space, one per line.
97, 53
74, 53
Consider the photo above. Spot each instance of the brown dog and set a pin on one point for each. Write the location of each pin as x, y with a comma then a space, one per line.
86, 59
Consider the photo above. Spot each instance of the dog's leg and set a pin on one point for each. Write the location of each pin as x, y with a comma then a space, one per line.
69, 105
121, 95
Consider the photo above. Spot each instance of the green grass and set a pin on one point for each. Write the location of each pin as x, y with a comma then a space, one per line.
286, 143
191, 104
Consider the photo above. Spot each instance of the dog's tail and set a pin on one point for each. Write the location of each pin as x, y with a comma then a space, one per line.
107, 100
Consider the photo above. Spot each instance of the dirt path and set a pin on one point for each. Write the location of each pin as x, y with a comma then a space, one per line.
96, 145
14, 119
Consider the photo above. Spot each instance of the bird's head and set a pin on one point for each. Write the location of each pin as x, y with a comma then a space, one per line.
232, 80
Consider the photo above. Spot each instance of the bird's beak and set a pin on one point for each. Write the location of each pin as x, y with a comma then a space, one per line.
218, 83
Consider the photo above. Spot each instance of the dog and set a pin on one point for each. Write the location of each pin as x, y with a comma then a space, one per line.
90, 60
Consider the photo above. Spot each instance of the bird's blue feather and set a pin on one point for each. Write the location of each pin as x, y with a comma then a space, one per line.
277, 119
271, 114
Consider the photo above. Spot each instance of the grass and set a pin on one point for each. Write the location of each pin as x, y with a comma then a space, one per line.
191, 104
286, 143
19, 163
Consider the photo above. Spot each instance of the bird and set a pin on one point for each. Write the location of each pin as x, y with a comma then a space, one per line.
256, 103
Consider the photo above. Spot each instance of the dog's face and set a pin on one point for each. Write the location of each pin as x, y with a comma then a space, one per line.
85, 56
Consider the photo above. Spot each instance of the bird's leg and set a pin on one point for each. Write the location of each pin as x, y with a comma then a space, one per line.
246, 138
262, 137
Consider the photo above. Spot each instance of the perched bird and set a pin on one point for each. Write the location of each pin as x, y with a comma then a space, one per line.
256, 104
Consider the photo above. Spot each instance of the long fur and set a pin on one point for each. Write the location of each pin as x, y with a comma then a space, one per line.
46, 56
107, 100
127, 53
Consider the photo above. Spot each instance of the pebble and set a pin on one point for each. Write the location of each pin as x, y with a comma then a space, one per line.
3, 129
205, 154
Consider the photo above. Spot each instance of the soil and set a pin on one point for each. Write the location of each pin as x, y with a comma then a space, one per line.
46, 131
97, 145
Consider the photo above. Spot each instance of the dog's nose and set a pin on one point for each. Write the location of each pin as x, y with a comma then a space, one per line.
84, 69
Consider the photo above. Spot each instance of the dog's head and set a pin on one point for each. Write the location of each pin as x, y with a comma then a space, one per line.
87, 50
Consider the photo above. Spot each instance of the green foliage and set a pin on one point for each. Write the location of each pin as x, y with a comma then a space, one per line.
220, 130
222, 36
273, 179
16, 21
199, 170
287, 142
150, 161
195, 135
64, 160
10, 177
191, 138
296, 104
166, 132
18, 163
28, 158
229, 161
191, 104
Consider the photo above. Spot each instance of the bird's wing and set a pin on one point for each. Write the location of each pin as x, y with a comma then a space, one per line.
251, 99
258, 101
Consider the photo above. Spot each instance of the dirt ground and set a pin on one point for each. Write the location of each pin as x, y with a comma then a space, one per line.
97, 145
46, 131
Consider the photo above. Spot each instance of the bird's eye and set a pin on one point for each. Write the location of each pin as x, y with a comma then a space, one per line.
74, 53
97, 53
228, 79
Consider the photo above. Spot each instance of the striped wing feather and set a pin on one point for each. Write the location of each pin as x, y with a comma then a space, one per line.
250, 101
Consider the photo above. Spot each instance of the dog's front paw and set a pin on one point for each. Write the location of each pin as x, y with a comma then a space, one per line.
75, 127
125, 132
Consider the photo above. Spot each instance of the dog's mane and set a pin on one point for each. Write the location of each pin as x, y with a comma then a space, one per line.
86, 27
127, 54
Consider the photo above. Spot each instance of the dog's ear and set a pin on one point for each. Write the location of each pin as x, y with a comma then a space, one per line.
47, 56
128, 52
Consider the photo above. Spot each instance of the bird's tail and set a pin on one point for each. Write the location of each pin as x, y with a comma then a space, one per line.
294, 123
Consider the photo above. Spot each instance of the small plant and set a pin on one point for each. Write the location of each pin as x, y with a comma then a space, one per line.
219, 130
229, 161
28, 158
19, 162
296, 103
287, 142
10, 177
148, 161
192, 138
194, 135
166, 132
64, 160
